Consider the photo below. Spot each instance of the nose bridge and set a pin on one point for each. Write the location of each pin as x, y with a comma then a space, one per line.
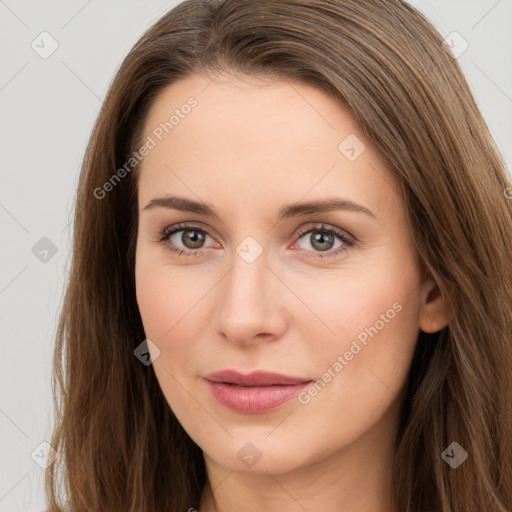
248, 301
248, 279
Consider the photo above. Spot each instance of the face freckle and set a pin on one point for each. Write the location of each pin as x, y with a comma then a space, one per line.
257, 297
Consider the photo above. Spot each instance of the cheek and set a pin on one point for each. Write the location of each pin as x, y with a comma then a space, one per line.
154, 301
363, 367
169, 304
166, 295
175, 307
351, 303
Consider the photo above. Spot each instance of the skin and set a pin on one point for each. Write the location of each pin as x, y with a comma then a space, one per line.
248, 148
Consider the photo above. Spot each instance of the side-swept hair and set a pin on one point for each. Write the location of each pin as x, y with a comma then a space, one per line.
120, 446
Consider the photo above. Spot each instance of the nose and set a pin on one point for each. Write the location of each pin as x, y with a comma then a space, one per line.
250, 307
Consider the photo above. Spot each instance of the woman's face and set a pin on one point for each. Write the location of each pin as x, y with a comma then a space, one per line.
296, 258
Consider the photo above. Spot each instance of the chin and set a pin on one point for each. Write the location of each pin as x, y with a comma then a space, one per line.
257, 455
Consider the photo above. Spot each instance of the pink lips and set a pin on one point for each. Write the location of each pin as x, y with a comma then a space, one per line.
256, 392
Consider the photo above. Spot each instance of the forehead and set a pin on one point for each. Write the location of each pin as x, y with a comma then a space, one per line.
258, 136
243, 113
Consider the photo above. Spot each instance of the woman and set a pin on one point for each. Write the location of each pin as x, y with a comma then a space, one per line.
291, 281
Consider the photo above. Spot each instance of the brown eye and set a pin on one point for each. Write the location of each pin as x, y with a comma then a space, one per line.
321, 241
187, 240
192, 238
324, 241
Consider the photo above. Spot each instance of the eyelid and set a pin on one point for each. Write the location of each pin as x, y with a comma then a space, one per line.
342, 233
183, 226
299, 232
168, 232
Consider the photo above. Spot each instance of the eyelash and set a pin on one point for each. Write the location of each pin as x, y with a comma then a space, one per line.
347, 241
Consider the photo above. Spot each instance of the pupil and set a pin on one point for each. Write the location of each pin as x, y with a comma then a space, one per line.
319, 239
192, 241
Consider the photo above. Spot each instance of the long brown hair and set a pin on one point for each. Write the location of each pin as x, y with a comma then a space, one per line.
120, 446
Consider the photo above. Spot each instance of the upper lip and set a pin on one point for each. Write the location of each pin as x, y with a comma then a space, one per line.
258, 378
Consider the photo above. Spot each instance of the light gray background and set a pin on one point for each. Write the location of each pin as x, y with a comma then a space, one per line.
48, 107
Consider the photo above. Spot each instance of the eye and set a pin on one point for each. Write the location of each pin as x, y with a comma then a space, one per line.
185, 239
325, 241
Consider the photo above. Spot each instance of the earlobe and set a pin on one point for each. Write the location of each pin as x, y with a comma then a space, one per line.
435, 312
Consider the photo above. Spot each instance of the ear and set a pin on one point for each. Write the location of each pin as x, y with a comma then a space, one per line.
435, 311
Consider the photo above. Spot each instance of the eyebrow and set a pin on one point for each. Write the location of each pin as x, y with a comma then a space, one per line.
293, 210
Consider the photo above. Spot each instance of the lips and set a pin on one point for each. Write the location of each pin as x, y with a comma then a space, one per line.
254, 379
256, 392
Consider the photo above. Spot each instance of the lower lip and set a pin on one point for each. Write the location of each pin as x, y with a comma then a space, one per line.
254, 399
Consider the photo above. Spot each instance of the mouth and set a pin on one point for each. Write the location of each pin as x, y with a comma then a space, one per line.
256, 392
